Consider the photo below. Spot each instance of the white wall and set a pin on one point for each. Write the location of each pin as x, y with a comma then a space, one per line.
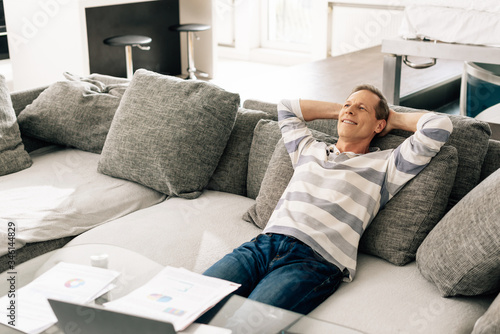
358, 25
49, 37
40, 49
339, 27
199, 11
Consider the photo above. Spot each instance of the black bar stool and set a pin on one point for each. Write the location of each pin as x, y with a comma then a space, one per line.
129, 41
191, 30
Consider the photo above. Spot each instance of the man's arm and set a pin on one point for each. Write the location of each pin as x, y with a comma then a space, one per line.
312, 110
402, 121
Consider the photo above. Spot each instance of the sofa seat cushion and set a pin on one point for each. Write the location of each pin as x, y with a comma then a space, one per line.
461, 255
189, 233
386, 299
62, 194
13, 156
169, 134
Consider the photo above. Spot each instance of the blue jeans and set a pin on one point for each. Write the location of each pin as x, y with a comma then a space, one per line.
280, 271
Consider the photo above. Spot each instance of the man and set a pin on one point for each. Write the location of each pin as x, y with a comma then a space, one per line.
310, 243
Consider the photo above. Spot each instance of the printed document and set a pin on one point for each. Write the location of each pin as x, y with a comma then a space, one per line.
69, 282
174, 295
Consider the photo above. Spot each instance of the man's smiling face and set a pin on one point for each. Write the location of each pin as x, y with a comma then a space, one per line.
357, 118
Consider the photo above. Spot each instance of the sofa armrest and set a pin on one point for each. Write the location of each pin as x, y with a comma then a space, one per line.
21, 99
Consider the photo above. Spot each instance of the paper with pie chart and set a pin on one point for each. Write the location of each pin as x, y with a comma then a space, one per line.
65, 281
74, 283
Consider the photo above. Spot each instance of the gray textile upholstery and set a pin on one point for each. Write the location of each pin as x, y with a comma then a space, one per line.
489, 323
492, 160
105, 79
398, 230
33, 249
169, 134
13, 156
77, 113
270, 108
22, 99
266, 135
461, 255
231, 173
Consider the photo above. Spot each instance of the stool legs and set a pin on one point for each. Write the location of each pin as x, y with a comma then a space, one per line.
128, 58
190, 56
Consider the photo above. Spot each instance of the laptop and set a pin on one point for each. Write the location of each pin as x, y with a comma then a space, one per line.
76, 318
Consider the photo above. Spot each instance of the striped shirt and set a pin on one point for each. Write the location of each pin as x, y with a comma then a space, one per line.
332, 197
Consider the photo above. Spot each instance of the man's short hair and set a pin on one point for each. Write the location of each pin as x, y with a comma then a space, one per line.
382, 108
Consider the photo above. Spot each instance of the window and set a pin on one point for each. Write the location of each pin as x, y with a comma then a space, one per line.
287, 24
225, 19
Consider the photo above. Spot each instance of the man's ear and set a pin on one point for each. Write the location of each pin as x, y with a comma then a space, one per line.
381, 123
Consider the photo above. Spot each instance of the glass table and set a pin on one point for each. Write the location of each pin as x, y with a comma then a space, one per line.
239, 314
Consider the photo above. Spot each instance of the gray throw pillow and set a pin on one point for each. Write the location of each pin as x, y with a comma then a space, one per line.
77, 113
13, 156
489, 322
461, 254
169, 134
231, 173
266, 135
402, 225
398, 230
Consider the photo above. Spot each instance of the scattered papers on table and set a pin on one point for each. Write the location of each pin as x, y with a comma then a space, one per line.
65, 281
174, 295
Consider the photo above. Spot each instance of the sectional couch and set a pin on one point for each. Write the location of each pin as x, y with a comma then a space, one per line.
182, 172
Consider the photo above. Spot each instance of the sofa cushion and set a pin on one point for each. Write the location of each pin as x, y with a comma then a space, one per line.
76, 112
169, 133
398, 230
461, 255
266, 135
179, 232
489, 321
63, 195
231, 172
13, 156
388, 299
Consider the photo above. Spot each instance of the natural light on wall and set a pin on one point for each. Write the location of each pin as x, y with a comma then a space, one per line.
287, 24
296, 31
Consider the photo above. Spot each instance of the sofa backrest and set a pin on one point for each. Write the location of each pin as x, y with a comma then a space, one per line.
479, 156
492, 159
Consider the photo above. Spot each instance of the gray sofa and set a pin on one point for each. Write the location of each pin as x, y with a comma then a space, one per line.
182, 172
